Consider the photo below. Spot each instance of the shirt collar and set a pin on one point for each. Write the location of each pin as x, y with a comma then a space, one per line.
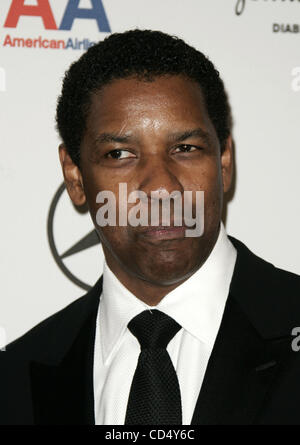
197, 304
117, 307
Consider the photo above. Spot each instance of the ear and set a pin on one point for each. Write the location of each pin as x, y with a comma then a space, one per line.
73, 177
227, 164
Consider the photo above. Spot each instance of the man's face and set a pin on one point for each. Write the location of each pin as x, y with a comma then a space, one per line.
154, 136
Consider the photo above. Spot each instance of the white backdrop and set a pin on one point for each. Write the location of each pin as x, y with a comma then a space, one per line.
257, 53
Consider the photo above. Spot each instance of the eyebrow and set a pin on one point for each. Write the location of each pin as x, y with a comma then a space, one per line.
112, 137
183, 135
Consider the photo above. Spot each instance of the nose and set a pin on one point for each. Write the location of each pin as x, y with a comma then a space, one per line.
159, 179
157, 174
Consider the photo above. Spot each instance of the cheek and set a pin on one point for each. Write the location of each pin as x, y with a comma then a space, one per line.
214, 192
207, 178
118, 237
94, 182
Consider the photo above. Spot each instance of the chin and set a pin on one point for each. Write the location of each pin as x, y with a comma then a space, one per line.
165, 273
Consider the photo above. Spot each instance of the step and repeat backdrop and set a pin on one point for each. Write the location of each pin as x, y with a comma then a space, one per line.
49, 252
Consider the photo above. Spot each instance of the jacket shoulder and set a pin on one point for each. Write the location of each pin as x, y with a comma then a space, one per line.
269, 295
54, 330
266, 272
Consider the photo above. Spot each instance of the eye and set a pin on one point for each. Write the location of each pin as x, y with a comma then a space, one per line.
186, 148
119, 154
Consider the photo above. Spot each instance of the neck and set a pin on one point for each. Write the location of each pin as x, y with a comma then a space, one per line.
148, 292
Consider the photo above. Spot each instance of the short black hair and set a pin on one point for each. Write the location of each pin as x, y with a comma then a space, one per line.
144, 54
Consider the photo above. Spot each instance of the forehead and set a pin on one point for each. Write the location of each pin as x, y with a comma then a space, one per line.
136, 104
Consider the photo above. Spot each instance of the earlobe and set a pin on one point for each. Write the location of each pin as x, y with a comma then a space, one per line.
227, 164
72, 177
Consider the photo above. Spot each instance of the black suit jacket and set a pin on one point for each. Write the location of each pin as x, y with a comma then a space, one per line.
253, 375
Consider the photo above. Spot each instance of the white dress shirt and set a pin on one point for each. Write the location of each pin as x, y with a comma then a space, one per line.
197, 305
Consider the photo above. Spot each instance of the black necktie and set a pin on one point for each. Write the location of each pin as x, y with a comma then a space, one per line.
154, 397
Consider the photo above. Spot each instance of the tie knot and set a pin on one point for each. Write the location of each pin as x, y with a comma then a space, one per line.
153, 329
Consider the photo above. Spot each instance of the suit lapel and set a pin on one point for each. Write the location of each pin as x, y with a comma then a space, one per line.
240, 372
62, 394
62, 390
251, 345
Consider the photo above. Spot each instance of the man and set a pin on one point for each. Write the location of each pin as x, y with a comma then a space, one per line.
179, 329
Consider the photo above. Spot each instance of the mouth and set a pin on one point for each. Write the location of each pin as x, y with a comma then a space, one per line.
160, 233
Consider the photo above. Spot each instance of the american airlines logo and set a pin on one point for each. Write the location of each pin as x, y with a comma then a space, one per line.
20, 10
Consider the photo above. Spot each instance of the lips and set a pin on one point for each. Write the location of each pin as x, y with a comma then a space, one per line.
160, 233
